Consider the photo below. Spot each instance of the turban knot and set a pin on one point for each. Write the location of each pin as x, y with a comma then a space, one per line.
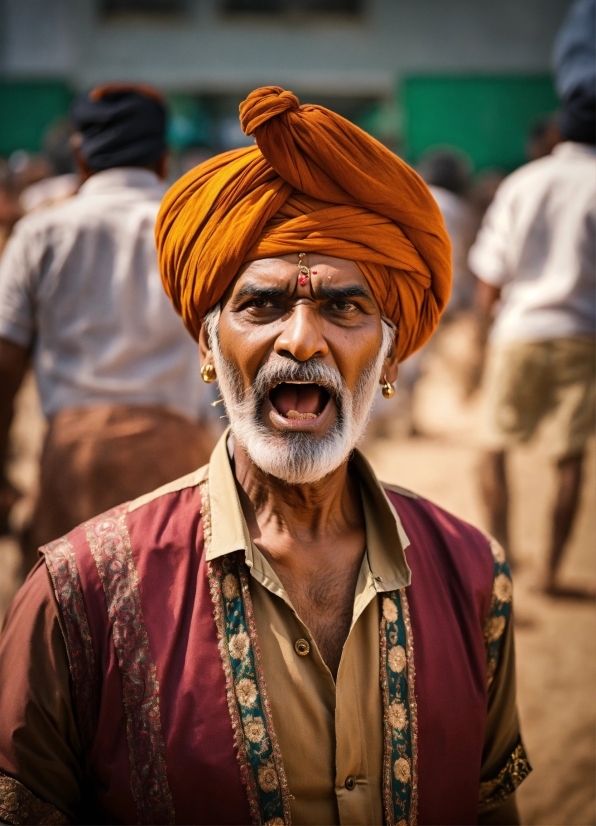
264, 104
314, 182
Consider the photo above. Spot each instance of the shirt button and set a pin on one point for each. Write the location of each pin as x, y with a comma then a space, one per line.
302, 647
350, 783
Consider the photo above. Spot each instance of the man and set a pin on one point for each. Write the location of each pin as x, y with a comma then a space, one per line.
80, 294
250, 644
448, 176
535, 253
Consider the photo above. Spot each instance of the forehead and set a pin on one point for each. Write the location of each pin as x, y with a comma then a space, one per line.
282, 272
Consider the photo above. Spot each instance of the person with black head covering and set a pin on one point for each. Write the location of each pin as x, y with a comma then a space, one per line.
81, 297
535, 255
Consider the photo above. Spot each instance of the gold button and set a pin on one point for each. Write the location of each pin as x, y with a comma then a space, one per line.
350, 783
302, 647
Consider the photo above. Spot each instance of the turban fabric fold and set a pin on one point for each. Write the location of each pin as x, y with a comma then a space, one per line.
314, 182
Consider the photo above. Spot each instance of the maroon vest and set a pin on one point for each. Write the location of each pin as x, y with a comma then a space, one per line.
152, 699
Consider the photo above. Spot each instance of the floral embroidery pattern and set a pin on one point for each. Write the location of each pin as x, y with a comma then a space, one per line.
258, 753
500, 609
110, 545
400, 792
259, 757
493, 792
62, 567
19, 805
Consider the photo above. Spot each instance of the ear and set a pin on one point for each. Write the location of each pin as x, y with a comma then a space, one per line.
205, 353
390, 366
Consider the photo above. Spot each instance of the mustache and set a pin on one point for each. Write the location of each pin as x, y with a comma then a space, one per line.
312, 371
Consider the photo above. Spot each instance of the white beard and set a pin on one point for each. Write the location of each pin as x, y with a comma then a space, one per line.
297, 458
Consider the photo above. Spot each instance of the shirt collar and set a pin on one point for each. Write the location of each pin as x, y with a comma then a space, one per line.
122, 177
386, 539
568, 149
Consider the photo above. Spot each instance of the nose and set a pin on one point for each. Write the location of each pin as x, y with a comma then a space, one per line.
302, 336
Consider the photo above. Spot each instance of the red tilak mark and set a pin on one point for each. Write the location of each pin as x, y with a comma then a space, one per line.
314, 272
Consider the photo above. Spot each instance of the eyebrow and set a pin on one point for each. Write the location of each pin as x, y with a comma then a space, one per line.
254, 291
326, 292
338, 293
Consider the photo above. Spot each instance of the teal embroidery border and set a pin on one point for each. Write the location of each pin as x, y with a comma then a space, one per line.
499, 614
261, 766
400, 786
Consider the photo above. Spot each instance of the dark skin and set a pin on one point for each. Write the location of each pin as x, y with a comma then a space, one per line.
299, 528
14, 361
495, 488
267, 316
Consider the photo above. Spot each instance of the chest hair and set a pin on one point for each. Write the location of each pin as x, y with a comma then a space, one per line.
325, 603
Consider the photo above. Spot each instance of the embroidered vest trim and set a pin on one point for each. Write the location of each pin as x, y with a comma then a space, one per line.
62, 567
109, 542
400, 720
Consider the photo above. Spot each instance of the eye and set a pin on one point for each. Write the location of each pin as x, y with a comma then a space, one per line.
343, 306
260, 303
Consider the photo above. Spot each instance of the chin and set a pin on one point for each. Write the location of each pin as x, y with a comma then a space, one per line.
294, 457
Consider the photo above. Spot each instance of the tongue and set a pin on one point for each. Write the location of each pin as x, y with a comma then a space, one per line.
298, 401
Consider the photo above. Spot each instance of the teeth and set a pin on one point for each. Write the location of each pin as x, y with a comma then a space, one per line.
288, 381
294, 414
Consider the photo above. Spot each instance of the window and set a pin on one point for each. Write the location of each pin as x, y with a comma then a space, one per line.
343, 7
143, 6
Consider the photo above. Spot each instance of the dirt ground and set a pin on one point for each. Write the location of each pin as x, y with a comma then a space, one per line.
556, 639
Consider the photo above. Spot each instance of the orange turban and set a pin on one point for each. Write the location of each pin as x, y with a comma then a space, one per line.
314, 182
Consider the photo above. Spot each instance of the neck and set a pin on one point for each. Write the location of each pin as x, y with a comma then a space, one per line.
308, 514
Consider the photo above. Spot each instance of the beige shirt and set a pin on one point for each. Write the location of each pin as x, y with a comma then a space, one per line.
329, 731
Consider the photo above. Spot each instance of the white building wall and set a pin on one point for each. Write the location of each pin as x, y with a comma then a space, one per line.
206, 51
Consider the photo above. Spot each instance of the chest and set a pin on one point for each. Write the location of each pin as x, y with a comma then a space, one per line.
323, 597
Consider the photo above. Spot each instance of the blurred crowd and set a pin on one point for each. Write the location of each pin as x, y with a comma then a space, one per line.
81, 304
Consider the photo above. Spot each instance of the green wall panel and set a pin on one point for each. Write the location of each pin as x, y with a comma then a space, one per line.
488, 117
27, 109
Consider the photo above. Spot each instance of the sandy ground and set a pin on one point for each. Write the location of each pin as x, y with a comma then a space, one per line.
556, 640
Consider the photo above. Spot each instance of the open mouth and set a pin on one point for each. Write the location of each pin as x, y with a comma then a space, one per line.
299, 400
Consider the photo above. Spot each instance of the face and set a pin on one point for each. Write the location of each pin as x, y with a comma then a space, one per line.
298, 362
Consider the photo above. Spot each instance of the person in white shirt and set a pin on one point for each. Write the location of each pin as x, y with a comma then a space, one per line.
81, 295
447, 174
535, 260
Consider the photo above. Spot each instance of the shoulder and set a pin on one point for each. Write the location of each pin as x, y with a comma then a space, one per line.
165, 519
433, 530
441, 544
190, 481
527, 176
417, 507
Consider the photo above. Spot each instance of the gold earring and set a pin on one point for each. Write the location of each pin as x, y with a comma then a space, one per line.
388, 389
208, 373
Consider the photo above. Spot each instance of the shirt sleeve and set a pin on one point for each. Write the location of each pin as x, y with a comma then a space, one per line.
504, 760
489, 255
41, 759
18, 276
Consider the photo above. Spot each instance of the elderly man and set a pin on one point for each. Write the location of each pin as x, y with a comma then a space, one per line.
276, 637
80, 294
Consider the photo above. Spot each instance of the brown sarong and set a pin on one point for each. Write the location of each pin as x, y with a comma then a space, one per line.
97, 457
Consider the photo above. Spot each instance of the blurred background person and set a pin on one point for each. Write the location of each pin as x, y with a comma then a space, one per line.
544, 136
535, 255
448, 174
81, 295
